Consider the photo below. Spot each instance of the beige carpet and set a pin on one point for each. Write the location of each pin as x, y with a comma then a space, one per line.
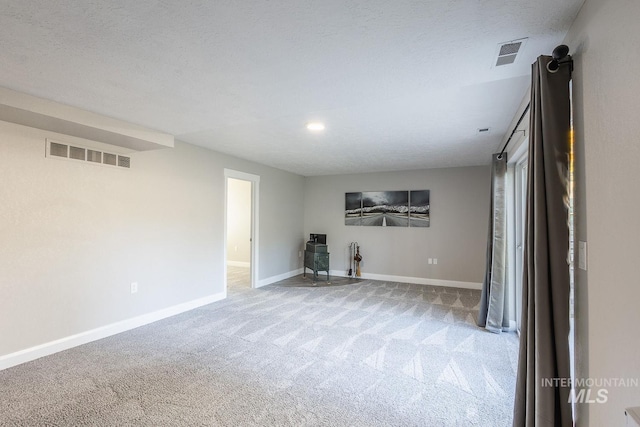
356, 353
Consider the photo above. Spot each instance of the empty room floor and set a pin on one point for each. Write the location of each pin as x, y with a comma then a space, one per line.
356, 352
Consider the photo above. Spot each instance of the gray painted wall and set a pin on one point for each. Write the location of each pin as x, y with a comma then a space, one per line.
604, 41
457, 236
73, 236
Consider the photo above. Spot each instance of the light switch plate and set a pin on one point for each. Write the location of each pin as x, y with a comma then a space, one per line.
582, 255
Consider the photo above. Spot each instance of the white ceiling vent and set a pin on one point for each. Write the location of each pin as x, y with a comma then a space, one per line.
508, 52
87, 155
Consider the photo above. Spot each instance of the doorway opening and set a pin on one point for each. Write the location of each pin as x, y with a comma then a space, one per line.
241, 225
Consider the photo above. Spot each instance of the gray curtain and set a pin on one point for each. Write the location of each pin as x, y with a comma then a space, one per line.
493, 303
544, 338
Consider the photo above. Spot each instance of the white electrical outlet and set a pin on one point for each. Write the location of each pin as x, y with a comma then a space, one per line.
435, 260
299, 254
430, 260
134, 287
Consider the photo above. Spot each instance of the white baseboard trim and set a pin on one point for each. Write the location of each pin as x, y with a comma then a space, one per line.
415, 280
239, 263
66, 343
273, 279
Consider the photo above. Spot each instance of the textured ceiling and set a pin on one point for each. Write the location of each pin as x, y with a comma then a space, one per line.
399, 84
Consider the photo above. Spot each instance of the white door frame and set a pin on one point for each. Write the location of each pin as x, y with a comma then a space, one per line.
255, 210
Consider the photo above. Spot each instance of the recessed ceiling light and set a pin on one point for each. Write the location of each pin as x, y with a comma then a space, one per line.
315, 126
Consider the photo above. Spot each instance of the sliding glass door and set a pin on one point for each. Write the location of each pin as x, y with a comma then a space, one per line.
520, 209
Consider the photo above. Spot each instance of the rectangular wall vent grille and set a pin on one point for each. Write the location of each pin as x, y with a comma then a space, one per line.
76, 153
94, 156
109, 159
58, 150
124, 162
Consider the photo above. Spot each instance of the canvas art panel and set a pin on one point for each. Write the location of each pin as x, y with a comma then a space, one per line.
385, 208
419, 208
388, 208
353, 208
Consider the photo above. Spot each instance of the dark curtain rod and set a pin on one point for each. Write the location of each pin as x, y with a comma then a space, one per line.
514, 130
560, 57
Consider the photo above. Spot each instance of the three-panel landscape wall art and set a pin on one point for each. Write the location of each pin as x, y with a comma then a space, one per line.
387, 208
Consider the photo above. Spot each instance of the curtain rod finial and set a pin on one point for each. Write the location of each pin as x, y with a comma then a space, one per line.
560, 52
